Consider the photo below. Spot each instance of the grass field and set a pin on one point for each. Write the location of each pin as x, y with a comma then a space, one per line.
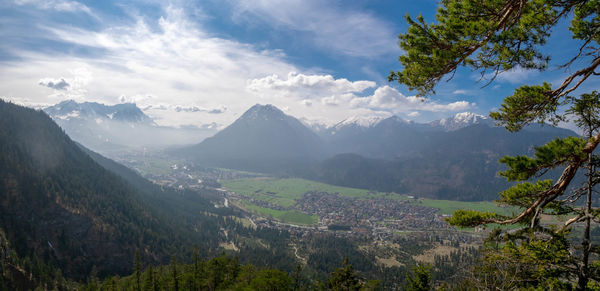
448, 206
284, 192
287, 216
154, 166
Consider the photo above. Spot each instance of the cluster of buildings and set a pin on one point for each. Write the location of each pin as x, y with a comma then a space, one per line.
379, 217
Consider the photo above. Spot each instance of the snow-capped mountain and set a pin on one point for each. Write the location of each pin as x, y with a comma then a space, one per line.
126, 112
461, 120
358, 121
317, 126
109, 129
459, 154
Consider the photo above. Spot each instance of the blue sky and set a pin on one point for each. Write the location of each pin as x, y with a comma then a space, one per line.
199, 62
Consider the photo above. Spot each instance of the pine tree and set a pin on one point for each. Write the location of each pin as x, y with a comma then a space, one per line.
493, 37
137, 267
344, 278
174, 275
196, 277
586, 110
420, 279
149, 279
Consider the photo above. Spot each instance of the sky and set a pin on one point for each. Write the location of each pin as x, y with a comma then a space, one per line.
206, 62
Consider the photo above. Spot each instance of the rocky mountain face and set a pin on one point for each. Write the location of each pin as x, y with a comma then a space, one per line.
114, 128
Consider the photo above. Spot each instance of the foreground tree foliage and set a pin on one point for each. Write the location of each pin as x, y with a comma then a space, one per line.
225, 273
492, 37
420, 279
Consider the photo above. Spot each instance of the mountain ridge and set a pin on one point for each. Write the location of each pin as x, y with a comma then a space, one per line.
124, 112
110, 129
455, 158
263, 135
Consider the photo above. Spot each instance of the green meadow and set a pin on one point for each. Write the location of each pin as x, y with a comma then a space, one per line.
285, 192
287, 216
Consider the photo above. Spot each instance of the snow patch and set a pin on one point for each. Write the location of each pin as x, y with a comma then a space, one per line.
359, 121
68, 116
459, 121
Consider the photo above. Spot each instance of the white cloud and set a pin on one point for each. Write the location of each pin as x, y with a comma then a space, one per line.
340, 98
460, 92
306, 102
56, 5
517, 75
54, 83
73, 87
330, 25
303, 86
184, 108
389, 99
331, 101
180, 74
413, 114
141, 63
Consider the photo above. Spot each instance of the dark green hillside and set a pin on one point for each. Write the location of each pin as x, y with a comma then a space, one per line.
58, 204
183, 204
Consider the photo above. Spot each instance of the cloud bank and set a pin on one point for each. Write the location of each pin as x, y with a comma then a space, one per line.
181, 74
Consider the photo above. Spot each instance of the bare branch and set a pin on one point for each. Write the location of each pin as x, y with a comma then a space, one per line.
575, 219
577, 56
583, 73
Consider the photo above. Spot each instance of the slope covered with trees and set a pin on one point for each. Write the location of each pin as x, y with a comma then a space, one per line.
60, 206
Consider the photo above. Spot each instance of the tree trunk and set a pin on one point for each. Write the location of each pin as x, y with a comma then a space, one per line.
586, 243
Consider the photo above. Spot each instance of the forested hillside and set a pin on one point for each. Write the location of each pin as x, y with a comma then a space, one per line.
61, 206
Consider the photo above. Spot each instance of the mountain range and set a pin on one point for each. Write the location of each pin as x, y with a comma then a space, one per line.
116, 128
452, 158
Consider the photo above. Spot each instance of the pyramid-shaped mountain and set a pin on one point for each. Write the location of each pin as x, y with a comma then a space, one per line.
262, 139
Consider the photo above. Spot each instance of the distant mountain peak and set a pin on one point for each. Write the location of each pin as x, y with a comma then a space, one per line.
264, 108
125, 112
468, 117
259, 111
262, 135
359, 121
398, 119
460, 120
316, 125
